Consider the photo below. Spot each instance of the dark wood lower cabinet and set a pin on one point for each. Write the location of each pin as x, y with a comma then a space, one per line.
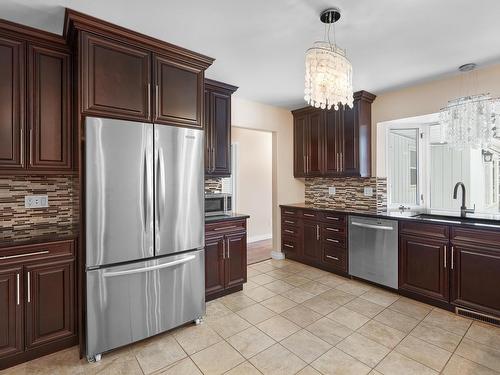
225, 257
311, 241
476, 277
11, 311
50, 302
214, 264
424, 267
37, 301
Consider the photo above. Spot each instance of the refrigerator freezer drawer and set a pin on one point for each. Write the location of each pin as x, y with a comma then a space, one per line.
134, 301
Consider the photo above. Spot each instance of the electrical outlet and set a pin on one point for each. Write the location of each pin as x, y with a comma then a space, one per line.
36, 201
331, 190
368, 191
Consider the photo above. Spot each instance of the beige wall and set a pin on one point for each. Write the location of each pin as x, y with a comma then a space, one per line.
254, 180
279, 121
424, 99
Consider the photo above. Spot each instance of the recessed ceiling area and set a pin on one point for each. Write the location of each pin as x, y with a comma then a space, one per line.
259, 45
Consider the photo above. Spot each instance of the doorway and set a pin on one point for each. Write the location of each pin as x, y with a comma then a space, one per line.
253, 187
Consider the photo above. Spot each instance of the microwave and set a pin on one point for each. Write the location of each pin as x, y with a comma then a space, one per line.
218, 204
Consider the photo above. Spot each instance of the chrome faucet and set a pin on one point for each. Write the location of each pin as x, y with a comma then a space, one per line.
463, 209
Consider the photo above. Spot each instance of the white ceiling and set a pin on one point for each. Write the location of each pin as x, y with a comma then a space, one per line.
259, 45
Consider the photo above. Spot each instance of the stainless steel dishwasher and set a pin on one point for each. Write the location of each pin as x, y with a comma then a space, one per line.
373, 250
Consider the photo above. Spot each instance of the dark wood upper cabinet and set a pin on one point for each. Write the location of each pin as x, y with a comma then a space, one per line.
214, 264
424, 265
12, 94
115, 77
49, 85
236, 261
218, 128
334, 143
50, 313
11, 311
178, 93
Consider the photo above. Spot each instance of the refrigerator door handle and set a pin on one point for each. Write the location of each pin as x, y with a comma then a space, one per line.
152, 268
160, 187
145, 198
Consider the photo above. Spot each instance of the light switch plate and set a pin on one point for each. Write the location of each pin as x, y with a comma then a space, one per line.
36, 201
331, 190
368, 191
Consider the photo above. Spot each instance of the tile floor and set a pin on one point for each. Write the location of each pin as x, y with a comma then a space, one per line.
294, 319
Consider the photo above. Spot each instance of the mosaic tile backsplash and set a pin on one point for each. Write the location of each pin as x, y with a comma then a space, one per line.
349, 193
18, 221
213, 184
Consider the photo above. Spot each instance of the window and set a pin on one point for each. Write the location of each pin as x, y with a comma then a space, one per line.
422, 170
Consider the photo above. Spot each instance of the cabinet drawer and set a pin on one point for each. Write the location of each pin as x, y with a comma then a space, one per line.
424, 229
333, 218
28, 253
306, 214
476, 236
334, 231
335, 257
289, 245
287, 221
287, 211
289, 231
334, 241
225, 226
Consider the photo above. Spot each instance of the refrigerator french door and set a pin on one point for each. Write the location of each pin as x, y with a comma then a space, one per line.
144, 224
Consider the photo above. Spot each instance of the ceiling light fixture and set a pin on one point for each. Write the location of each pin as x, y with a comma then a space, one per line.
328, 80
469, 121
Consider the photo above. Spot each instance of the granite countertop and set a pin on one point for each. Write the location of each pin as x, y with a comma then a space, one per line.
228, 217
36, 234
438, 217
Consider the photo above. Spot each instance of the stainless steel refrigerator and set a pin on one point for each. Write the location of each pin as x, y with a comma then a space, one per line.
144, 223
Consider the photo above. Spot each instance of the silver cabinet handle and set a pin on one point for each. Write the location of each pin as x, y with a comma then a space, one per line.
337, 161
287, 245
228, 249
308, 164
17, 289
289, 212
31, 146
224, 249
289, 222
341, 161
24, 255
143, 269
148, 88
289, 231
332, 229
317, 232
444, 255
305, 165
371, 226
331, 257
224, 228
213, 159
332, 218
332, 240
309, 215
157, 99
29, 287
452, 257
22, 144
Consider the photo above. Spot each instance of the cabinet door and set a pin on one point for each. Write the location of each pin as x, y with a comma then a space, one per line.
333, 141
115, 79
299, 145
424, 267
476, 277
311, 241
236, 259
49, 103
11, 311
49, 302
12, 94
314, 160
350, 142
221, 134
214, 264
178, 93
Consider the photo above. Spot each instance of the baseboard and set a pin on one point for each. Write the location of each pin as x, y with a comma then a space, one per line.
277, 255
260, 237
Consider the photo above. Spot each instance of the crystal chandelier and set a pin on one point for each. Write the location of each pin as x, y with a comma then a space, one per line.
469, 121
328, 80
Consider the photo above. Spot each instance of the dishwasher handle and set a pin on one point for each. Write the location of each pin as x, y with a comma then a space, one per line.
372, 226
